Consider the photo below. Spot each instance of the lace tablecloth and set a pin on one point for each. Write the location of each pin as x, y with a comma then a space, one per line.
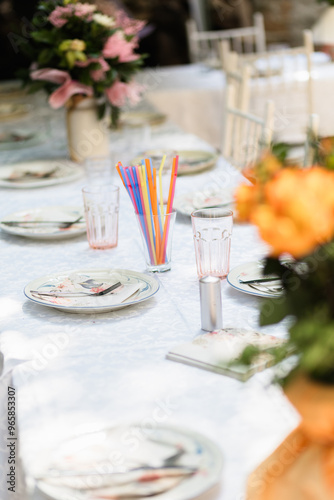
72, 370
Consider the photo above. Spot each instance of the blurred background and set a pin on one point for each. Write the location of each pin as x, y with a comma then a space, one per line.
165, 39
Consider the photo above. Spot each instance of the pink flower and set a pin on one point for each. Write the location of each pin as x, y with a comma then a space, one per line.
67, 87
129, 26
119, 92
60, 15
96, 74
117, 46
84, 9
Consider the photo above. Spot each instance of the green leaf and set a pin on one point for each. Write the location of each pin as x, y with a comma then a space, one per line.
280, 150
45, 56
43, 36
101, 109
273, 311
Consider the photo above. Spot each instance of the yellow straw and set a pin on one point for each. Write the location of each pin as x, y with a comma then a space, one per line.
147, 207
160, 185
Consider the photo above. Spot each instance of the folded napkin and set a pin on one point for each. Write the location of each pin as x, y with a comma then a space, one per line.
216, 350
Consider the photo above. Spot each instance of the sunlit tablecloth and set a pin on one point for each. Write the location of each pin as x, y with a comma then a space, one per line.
193, 96
72, 370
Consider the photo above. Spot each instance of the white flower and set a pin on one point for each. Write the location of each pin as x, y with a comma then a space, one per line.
106, 21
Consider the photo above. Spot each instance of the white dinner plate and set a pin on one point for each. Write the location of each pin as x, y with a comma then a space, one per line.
92, 451
187, 203
140, 286
18, 138
140, 118
45, 231
39, 173
190, 161
251, 270
13, 110
11, 89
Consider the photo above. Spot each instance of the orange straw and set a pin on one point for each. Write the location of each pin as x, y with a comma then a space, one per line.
154, 210
161, 257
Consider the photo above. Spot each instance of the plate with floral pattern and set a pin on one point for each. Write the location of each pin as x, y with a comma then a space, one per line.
212, 196
192, 451
39, 173
135, 287
190, 161
45, 223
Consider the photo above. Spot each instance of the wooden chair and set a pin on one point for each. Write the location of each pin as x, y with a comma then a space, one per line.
204, 46
245, 135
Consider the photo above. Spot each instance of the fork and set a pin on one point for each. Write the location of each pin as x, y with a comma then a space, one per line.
78, 294
266, 288
35, 175
62, 225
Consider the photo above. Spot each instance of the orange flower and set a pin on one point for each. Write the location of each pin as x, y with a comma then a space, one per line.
265, 169
326, 145
294, 211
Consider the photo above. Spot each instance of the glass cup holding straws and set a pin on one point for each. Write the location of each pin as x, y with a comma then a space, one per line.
155, 220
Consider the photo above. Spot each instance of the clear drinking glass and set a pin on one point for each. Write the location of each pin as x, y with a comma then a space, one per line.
101, 212
212, 229
157, 247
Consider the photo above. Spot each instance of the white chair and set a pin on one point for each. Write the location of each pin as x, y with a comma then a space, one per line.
241, 80
245, 135
277, 71
204, 46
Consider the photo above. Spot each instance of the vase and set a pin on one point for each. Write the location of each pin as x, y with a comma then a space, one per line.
323, 32
87, 135
302, 467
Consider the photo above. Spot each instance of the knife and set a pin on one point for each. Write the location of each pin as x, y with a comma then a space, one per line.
170, 470
258, 280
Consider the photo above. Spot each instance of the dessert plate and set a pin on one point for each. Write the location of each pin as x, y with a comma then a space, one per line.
39, 173
187, 203
136, 287
253, 270
190, 161
63, 480
38, 224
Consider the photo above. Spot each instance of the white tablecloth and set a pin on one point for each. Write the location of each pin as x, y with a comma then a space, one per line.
72, 370
193, 97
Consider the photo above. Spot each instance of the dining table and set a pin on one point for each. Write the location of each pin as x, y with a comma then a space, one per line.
193, 96
73, 372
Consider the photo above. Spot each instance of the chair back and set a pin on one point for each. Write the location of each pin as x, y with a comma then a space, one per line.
245, 135
204, 46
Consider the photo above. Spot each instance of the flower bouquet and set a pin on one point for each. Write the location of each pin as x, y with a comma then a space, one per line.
84, 59
293, 209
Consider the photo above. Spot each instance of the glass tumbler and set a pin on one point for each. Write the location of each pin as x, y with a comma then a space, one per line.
156, 234
101, 204
212, 230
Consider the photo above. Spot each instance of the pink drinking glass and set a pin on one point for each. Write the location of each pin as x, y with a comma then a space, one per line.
101, 204
212, 229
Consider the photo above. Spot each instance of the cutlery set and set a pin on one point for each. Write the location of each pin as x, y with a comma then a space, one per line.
60, 224
78, 294
267, 284
32, 175
154, 479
